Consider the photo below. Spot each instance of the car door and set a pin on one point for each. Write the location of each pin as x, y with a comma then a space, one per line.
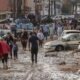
73, 41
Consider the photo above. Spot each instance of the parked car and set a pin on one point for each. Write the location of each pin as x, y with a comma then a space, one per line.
69, 31
68, 41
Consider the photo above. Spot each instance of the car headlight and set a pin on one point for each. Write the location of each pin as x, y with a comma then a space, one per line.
46, 46
49, 46
52, 46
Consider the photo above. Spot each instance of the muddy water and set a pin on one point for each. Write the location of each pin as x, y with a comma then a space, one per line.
48, 68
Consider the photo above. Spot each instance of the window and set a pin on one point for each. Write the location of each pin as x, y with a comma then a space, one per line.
75, 37
2, 16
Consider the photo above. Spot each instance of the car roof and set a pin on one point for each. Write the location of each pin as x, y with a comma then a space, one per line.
71, 31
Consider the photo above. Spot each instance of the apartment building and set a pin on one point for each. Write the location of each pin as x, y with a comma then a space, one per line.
4, 10
55, 7
29, 6
43, 6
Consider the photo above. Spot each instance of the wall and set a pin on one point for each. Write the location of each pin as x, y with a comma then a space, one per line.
4, 5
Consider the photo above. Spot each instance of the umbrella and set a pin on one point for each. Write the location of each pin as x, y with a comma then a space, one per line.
4, 48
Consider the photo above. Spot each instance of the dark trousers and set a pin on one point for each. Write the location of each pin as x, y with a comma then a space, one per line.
15, 54
40, 43
24, 43
34, 52
11, 51
46, 35
5, 58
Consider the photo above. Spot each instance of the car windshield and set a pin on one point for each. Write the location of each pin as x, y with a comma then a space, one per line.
64, 33
71, 37
67, 36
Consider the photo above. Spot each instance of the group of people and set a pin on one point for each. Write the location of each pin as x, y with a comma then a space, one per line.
8, 49
26, 35
33, 40
58, 26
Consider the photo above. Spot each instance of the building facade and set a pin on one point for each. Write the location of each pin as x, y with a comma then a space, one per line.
4, 5
29, 6
55, 7
5, 10
43, 6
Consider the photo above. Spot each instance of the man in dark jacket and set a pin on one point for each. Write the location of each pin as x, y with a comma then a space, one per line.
33, 46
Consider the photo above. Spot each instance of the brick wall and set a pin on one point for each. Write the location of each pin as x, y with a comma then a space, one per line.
4, 5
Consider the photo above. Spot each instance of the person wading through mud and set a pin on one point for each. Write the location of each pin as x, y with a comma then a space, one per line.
33, 46
4, 51
24, 39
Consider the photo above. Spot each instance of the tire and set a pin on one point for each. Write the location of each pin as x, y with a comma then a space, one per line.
59, 48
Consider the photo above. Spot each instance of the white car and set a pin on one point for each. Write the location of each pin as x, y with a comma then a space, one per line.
68, 41
69, 31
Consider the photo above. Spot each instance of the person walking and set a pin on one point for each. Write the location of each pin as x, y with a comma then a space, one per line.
74, 24
4, 51
9, 38
33, 46
45, 31
24, 39
40, 36
15, 50
52, 31
59, 29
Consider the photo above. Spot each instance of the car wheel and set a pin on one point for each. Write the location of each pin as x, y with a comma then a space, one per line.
59, 48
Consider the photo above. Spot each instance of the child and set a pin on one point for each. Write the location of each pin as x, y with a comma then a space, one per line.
15, 50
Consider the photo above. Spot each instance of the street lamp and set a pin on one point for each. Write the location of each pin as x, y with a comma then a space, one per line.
54, 7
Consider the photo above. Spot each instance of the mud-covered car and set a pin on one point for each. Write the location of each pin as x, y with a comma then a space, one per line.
69, 31
69, 41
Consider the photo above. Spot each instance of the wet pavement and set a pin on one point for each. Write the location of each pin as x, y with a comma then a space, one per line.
55, 66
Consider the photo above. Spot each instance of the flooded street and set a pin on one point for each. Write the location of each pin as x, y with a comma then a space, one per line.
54, 66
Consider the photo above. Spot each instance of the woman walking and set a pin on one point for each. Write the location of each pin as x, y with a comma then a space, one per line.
24, 39
4, 51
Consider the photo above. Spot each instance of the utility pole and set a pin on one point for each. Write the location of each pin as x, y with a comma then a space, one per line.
49, 10
54, 7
